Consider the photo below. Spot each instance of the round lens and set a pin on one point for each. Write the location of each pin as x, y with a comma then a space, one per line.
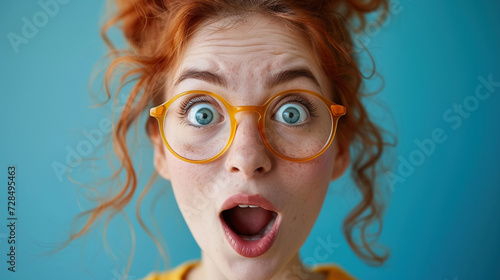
197, 126
298, 125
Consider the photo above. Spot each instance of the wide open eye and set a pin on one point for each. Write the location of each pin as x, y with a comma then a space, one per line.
203, 114
291, 114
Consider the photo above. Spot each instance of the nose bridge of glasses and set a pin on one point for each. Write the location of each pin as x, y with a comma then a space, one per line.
253, 125
255, 109
258, 110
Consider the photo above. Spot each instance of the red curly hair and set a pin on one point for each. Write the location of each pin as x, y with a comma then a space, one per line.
158, 31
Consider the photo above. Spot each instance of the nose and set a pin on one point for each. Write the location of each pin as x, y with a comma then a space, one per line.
248, 156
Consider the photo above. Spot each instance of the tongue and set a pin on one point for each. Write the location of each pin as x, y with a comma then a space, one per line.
247, 221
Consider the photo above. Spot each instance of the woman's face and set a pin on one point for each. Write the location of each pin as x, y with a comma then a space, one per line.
242, 63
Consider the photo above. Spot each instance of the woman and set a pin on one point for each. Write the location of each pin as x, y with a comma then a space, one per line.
246, 97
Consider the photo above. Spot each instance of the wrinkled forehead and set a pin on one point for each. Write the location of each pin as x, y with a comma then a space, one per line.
245, 53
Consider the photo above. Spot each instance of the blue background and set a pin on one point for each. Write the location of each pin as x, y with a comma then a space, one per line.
443, 220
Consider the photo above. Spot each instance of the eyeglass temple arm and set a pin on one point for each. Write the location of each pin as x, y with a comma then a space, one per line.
338, 110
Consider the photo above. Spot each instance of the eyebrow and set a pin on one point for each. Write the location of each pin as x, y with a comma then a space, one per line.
289, 75
280, 78
206, 76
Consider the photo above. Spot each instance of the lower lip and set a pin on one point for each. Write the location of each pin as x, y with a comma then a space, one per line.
251, 248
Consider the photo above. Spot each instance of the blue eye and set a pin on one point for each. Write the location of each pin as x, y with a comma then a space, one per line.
203, 114
291, 113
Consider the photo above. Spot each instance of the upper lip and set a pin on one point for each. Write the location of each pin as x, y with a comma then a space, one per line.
248, 199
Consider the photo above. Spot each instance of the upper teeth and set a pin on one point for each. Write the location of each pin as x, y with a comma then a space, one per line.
246, 206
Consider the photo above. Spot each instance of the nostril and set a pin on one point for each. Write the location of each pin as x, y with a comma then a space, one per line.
234, 169
260, 170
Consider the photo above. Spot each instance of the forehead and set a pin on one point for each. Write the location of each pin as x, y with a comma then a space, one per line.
246, 52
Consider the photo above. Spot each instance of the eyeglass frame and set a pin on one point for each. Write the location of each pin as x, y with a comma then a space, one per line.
336, 111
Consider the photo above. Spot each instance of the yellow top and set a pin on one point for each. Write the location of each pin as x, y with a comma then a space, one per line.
332, 272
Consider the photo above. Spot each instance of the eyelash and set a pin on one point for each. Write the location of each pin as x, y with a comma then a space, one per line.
312, 108
187, 104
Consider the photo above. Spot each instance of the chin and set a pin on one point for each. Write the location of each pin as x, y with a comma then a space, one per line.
239, 268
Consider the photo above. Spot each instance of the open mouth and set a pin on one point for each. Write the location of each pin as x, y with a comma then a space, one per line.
250, 224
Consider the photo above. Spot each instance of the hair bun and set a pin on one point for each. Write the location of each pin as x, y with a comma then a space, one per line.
141, 19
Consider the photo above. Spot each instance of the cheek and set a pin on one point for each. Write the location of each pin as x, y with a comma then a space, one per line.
190, 186
304, 188
311, 176
307, 185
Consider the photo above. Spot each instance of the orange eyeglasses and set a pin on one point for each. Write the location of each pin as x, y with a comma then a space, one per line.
199, 126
